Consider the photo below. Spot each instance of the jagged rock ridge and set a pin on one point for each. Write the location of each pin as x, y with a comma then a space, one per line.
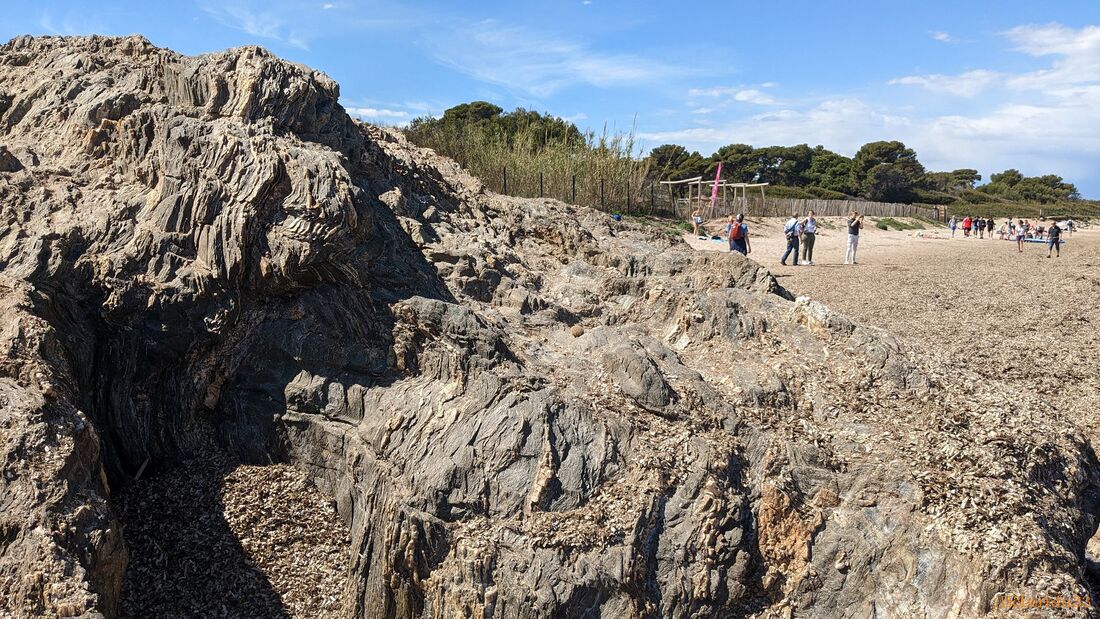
207, 252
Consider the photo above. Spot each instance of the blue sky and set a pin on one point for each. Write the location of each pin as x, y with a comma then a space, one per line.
989, 85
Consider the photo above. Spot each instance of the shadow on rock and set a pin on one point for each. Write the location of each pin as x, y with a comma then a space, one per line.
185, 561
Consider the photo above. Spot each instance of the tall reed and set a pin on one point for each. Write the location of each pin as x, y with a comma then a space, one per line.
526, 154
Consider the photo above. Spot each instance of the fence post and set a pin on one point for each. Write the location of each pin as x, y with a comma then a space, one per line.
601, 194
652, 199
540, 184
628, 196
505, 180
574, 200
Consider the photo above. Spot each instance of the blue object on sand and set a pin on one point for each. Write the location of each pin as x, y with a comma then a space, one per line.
617, 217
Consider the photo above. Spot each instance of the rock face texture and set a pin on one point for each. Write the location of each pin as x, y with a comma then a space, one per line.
521, 408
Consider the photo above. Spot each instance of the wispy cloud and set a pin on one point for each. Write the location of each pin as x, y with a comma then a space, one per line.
377, 113
521, 59
1040, 121
843, 124
743, 95
1074, 71
265, 24
941, 36
967, 84
71, 24
383, 116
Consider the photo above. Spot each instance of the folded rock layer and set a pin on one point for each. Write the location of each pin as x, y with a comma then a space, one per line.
521, 407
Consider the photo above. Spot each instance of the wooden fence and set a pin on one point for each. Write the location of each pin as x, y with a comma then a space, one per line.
754, 206
633, 196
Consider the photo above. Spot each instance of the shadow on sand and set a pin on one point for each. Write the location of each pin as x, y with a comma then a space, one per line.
185, 561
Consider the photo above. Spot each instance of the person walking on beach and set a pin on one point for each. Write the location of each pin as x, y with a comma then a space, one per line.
809, 233
855, 222
1054, 240
989, 227
697, 223
952, 224
1021, 236
980, 225
968, 223
791, 229
738, 232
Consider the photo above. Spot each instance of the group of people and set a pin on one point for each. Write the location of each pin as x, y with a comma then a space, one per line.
972, 226
1020, 230
801, 233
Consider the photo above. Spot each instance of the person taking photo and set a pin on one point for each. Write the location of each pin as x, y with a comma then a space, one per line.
855, 224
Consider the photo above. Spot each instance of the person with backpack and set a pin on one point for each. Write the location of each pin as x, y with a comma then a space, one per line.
1054, 240
738, 232
855, 222
968, 223
792, 229
809, 233
952, 224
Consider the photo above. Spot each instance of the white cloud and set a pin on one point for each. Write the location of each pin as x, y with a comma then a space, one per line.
262, 24
575, 118
744, 95
1073, 71
842, 124
71, 24
1076, 63
967, 84
521, 59
754, 96
328, 5
377, 113
1046, 39
941, 36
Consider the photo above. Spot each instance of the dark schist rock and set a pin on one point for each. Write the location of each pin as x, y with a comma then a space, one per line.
520, 407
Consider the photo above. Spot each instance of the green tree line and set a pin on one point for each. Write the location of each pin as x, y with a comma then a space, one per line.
887, 171
485, 139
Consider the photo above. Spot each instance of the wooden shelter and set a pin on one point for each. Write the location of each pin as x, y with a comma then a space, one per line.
700, 190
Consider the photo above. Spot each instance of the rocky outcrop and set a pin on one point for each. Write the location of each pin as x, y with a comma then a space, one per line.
207, 252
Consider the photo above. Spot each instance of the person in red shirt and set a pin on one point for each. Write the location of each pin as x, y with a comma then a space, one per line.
968, 223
